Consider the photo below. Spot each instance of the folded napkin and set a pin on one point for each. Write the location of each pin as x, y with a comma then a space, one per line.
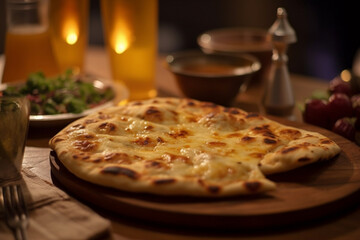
55, 215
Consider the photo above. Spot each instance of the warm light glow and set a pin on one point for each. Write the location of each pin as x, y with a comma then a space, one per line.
121, 44
121, 37
70, 31
71, 38
345, 75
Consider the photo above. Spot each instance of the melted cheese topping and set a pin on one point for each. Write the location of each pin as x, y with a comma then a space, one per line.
165, 141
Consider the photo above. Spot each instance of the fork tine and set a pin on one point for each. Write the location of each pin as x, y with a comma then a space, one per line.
21, 200
15, 210
9, 210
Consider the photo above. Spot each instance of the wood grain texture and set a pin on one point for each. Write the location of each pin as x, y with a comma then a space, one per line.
303, 194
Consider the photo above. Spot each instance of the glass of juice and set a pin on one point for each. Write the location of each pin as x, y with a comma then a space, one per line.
27, 46
69, 32
130, 28
14, 120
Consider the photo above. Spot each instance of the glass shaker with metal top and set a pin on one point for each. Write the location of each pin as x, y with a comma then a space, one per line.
278, 97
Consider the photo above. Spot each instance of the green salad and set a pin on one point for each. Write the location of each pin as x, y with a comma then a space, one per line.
65, 93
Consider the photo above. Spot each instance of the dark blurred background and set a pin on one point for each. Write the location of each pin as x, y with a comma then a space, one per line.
327, 31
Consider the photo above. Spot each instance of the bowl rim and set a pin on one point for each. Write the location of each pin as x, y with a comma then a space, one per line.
204, 40
255, 65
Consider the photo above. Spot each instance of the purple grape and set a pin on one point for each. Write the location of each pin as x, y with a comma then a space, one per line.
316, 113
339, 106
345, 128
337, 85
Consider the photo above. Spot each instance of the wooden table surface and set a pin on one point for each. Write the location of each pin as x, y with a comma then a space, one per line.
343, 225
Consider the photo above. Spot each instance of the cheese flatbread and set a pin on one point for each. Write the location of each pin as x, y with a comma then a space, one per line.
174, 146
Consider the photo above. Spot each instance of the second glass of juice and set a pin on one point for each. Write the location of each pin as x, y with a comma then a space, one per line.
130, 28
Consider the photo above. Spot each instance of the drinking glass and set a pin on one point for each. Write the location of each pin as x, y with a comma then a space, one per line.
14, 121
130, 28
27, 46
69, 32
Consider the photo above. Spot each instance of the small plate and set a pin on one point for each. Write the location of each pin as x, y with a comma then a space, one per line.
121, 93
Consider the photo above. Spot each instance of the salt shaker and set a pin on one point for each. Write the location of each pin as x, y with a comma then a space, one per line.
278, 98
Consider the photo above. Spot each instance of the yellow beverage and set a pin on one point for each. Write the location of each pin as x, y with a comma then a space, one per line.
69, 29
27, 50
130, 28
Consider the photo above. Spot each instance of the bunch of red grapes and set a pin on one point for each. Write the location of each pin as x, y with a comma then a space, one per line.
338, 112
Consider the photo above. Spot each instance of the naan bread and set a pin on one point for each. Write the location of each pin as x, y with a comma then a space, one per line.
172, 146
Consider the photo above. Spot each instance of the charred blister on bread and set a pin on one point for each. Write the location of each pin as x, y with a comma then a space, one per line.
116, 170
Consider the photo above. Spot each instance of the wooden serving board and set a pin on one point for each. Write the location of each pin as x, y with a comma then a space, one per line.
303, 194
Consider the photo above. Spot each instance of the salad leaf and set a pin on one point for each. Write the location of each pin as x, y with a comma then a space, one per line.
65, 93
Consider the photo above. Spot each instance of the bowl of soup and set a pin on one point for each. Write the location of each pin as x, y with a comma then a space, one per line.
217, 78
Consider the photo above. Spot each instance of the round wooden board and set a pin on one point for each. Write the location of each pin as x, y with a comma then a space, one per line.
302, 194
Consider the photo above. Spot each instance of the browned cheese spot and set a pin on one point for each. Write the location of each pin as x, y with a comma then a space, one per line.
138, 157
252, 186
137, 103
261, 129
75, 156
164, 181
191, 119
291, 133
107, 127
232, 111
234, 135
103, 116
247, 139
264, 131
304, 145
269, 141
201, 182
85, 157
304, 159
174, 112
326, 141
155, 164
144, 142
85, 145
256, 155
269, 134
149, 127
179, 134
191, 104
88, 136
116, 170
160, 140
252, 115
290, 149
216, 144
97, 160
88, 121
118, 158
153, 114
213, 189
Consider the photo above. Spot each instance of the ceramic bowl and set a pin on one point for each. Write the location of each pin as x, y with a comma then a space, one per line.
216, 78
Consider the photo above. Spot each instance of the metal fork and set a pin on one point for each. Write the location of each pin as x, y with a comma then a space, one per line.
15, 210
